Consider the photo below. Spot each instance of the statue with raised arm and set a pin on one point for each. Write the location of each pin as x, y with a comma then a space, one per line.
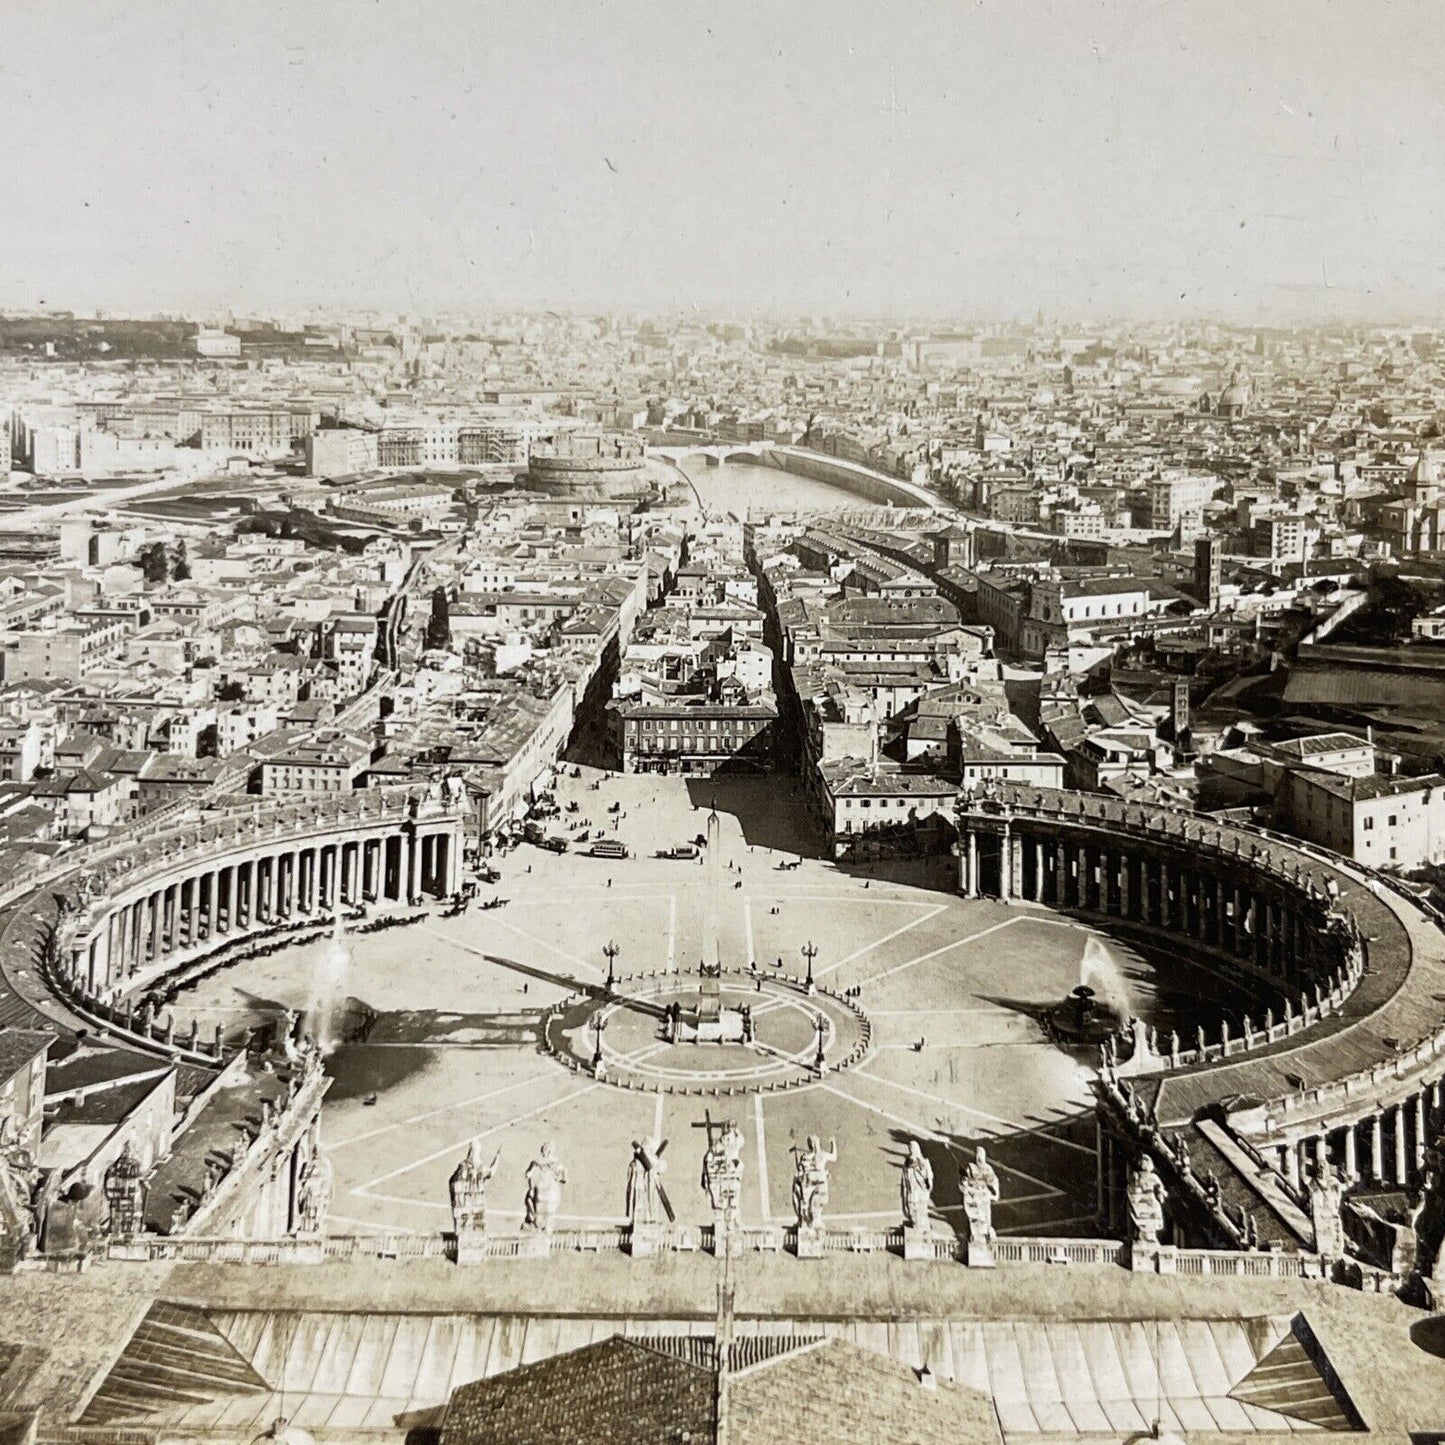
981, 1192
468, 1189
545, 1177
916, 1188
810, 1180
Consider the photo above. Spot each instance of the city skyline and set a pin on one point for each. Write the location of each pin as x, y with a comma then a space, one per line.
1093, 162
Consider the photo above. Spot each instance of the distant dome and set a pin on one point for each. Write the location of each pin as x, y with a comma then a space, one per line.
1236, 396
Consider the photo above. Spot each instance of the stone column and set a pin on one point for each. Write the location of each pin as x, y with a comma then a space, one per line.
1377, 1148
1292, 1166
1352, 1163
1081, 878
1100, 1166
970, 866
1005, 865
451, 844
413, 866
1402, 1163
1038, 870
117, 943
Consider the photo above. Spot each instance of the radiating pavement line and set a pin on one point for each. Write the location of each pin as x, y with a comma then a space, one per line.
887, 938
363, 1190
432, 1113
941, 949
762, 1158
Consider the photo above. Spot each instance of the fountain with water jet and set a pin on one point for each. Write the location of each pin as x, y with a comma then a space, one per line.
1100, 1004
328, 987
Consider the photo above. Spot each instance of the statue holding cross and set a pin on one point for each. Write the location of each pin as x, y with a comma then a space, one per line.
722, 1173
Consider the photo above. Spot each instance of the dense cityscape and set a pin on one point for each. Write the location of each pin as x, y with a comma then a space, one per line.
722, 728
881, 595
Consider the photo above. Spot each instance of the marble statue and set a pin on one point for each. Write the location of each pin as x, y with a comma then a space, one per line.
722, 1172
980, 1193
810, 1180
1327, 1193
313, 1195
125, 1192
546, 1175
1146, 1202
647, 1201
468, 1188
916, 1188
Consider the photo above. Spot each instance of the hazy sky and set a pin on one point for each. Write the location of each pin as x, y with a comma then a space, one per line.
817, 155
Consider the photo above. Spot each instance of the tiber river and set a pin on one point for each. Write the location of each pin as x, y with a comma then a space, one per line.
736, 487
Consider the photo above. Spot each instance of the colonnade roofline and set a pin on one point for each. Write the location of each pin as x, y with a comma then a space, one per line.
1243, 893
246, 828
105, 922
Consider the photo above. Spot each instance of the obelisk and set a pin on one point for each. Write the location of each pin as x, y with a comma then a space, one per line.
712, 906
709, 988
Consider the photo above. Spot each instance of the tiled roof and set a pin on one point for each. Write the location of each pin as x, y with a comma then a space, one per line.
616, 1392
19, 1046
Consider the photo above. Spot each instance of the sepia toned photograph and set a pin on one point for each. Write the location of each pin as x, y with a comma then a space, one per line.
722, 725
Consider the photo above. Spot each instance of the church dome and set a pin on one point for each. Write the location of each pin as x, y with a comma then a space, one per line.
1236, 396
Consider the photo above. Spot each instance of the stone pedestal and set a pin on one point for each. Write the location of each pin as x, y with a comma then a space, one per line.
917, 1242
1147, 1257
471, 1246
978, 1254
537, 1244
310, 1249
644, 1240
809, 1243
727, 1243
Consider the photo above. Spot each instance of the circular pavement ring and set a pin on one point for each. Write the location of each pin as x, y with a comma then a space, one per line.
636, 1057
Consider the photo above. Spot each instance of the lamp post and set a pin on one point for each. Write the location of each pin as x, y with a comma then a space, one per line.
821, 1025
810, 952
610, 951
599, 1025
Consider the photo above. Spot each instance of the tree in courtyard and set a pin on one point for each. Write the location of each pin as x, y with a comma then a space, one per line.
155, 563
181, 566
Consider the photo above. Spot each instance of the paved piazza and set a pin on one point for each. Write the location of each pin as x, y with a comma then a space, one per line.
942, 1040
